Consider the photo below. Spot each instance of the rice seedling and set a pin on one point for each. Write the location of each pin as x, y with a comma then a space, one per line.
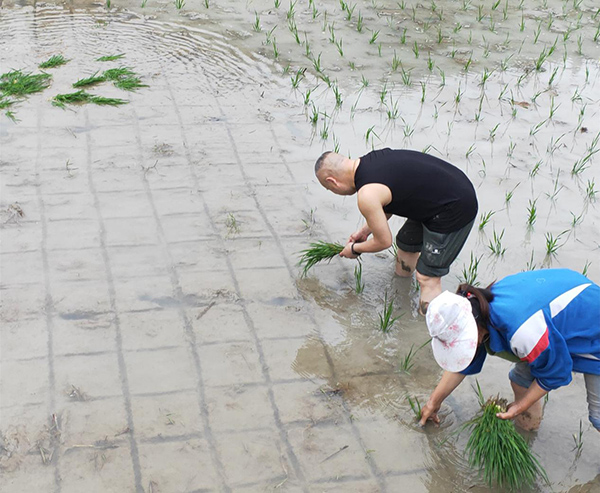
314, 12
102, 101
590, 190
269, 36
415, 406
275, 50
291, 10
108, 4
5, 102
277, 3
143, 5
129, 83
19, 84
114, 74
81, 96
430, 63
297, 77
495, 244
393, 112
386, 317
232, 225
374, 35
110, 58
407, 362
405, 76
584, 271
578, 439
423, 91
61, 100
339, 44
470, 151
458, 96
469, 272
537, 32
576, 220
53, 61
493, 132
552, 245
359, 285
497, 449
359, 23
442, 77
534, 171
332, 33
485, 218
556, 189
403, 37
338, 95
11, 116
336, 144
179, 4
395, 62
364, 81
415, 49
317, 64
531, 213
318, 252
256, 25
325, 129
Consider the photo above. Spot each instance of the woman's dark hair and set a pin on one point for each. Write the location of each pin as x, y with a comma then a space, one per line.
480, 302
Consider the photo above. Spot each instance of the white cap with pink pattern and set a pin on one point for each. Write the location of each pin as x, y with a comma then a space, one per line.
453, 330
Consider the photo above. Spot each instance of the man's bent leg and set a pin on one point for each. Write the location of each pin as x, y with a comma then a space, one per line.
430, 287
592, 385
409, 241
406, 262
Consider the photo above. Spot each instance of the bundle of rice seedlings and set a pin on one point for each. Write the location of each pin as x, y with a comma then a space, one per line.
319, 251
90, 81
496, 448
20, 84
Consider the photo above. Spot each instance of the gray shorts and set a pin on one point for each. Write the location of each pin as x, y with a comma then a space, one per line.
521, 375
438, 250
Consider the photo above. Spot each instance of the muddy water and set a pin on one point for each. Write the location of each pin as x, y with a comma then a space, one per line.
450, 78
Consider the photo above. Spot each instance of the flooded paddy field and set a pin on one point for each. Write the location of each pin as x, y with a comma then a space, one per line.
156, 333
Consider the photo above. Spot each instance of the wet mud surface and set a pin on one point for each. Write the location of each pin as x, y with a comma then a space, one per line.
156, 334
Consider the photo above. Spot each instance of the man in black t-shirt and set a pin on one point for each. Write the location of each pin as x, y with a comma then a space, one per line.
436, 198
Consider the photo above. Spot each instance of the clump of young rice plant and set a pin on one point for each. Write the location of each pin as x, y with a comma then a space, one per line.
54, 61
495, 244
407, 362
232, 225
317, 252
415, 405
578, 439
552, 244
469, 272
179, 4
81, 97
497, 449
359, 285
19, 84
123, 78
110, 58
531, 213
386, 317
485, 218
92, 80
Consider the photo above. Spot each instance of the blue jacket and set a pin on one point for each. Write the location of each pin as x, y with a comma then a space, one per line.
549, 319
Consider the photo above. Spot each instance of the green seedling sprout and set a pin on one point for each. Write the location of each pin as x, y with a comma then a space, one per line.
531, 213
179, 4
495, 244
256, 25
386, 318
584, 271
110, 58
407, 362
552, 245
469, 273
415, 406
359, 285
485, 218
53, 61
578, 439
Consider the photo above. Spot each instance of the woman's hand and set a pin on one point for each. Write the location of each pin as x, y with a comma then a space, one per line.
512, 411
429, 411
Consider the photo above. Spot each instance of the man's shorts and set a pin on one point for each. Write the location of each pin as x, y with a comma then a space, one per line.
438, 250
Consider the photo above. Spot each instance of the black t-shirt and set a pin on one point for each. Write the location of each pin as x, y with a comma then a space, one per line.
424, 188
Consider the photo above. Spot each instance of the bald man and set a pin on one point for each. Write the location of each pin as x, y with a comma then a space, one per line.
436, 198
